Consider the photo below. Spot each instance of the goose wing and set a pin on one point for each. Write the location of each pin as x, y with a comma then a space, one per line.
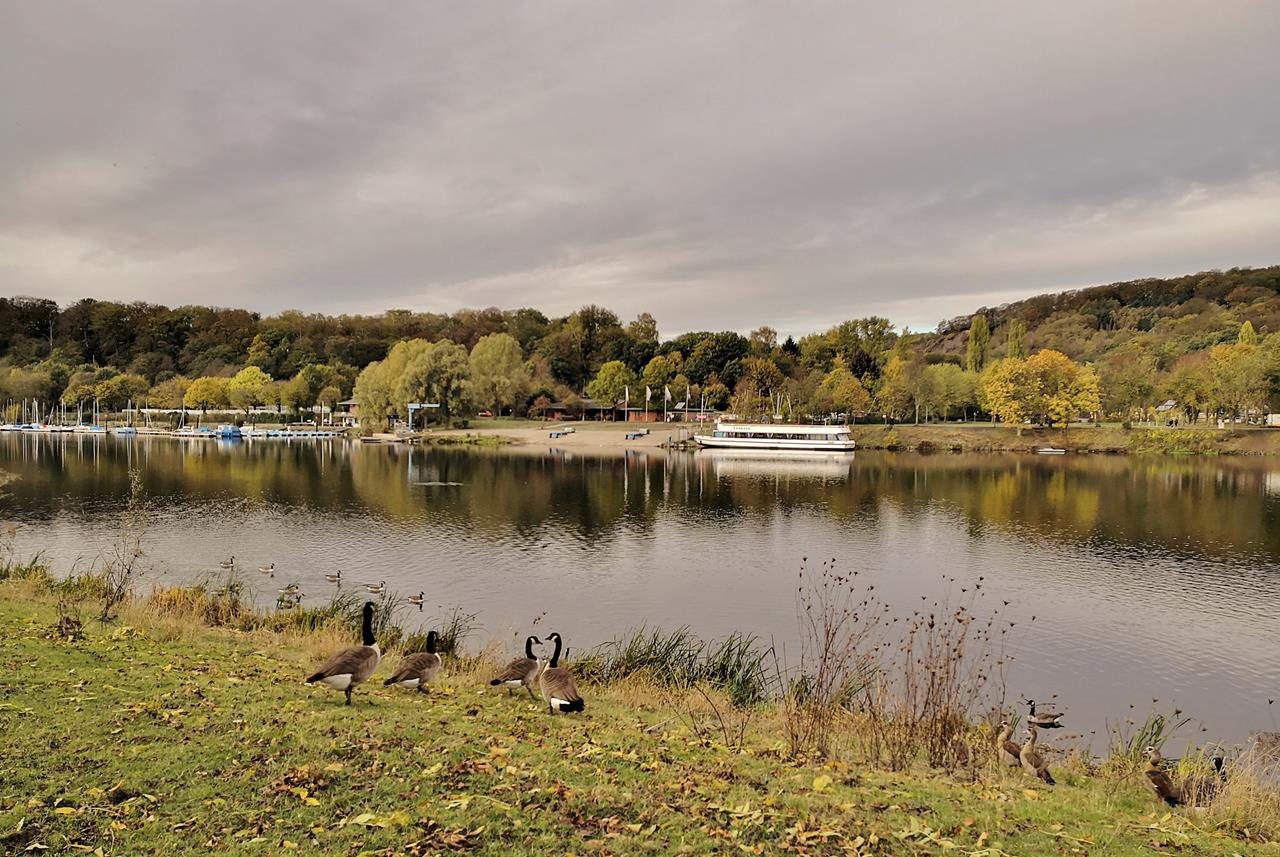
422, 666
358, 662
558, 687
518, 670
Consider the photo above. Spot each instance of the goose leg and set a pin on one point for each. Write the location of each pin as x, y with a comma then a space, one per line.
348, 693
532, 695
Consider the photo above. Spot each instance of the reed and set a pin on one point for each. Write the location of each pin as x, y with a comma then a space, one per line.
679, 659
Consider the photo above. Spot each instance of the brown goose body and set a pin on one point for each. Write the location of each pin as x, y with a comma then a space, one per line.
353, 666
1006, 749
522, 672
559, 690
1031, 759
1158, 779
418, 670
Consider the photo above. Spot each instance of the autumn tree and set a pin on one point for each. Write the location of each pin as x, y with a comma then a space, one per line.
1066, 388
841, 392
1010, 391
1239, 377
168, 393
205, 393
245, 390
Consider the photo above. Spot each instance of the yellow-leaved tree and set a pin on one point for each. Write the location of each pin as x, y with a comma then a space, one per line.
1010, 390
1066, 388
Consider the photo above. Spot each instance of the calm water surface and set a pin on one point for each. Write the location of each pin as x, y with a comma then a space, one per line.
1149, 578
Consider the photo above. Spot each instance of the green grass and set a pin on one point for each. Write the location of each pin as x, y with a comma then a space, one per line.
155, 735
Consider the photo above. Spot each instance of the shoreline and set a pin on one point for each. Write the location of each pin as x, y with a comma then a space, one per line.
161, 693
950, 437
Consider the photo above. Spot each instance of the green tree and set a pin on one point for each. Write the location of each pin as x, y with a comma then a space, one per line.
979, 342
951, 387
1015, 344
658, 372
498, 372
611, 382
441, 374
904, 385
329, 398
245, 390
116, 393
1247, 335
1190, 383
643, 329
1128, 379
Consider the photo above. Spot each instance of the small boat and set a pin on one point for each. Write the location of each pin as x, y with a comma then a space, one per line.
1051, 450
228, 432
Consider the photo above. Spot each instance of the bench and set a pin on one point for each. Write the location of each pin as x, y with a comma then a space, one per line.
556, 434
634, 435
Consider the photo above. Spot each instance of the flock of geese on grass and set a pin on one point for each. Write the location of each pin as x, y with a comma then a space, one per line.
354, 666
292, 594
351, 667
1194, 791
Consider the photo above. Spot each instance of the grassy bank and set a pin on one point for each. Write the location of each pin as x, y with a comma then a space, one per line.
159, 734
1107, 439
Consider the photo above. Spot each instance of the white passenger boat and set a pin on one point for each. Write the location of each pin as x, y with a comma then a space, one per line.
777, 436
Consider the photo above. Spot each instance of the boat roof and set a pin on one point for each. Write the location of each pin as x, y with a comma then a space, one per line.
782, 427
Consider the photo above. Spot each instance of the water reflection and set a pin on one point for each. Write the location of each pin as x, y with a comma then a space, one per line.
1148, 578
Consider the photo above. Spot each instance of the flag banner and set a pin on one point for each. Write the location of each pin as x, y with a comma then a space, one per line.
666, 394
648, 394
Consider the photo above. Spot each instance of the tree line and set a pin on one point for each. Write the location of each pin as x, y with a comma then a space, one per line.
1209, 342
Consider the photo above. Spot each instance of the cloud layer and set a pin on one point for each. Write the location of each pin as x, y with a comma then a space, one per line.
717, 164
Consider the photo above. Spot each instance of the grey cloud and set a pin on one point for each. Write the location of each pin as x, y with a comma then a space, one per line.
715, 164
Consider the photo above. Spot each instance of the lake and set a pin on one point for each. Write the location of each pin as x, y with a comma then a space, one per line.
1149, 578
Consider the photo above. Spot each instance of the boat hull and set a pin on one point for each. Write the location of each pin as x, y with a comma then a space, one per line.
798, 444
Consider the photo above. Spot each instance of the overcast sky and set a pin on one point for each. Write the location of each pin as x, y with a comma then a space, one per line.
721, 165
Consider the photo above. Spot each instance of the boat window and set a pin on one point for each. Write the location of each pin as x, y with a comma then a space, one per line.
842, 437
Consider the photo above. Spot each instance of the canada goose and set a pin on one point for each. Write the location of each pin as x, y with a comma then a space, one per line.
418, 671
1032, 760
334, 578
291, 588
1045, 719
1005, 748
269, 570
521, 671
376, 590
1159, 779
416, 600
350, 667
557, 685
1201, 789
229, 563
